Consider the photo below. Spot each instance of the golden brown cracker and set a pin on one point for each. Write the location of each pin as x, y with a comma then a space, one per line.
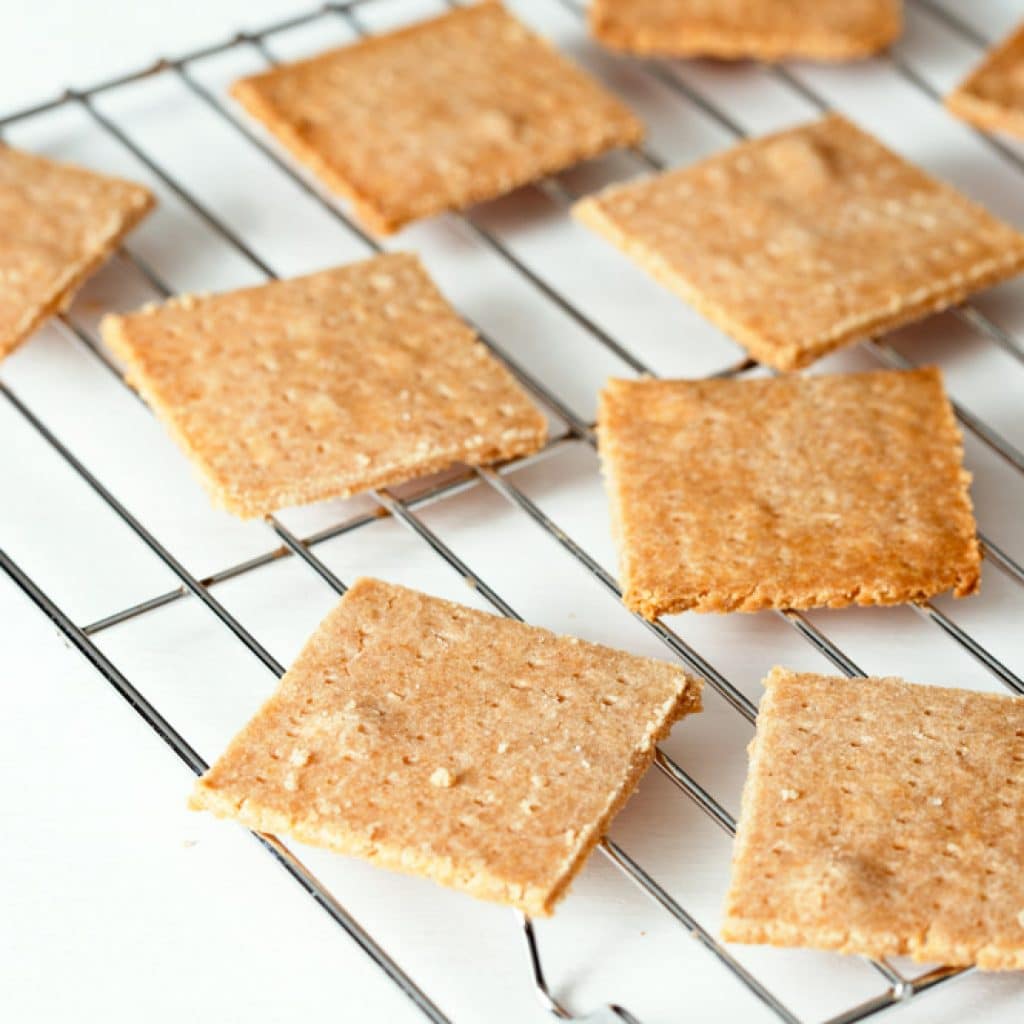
787, 492
426, 737
322, 386
806, 240
830, 30
883, 818
59, 223
438, 115
992, 95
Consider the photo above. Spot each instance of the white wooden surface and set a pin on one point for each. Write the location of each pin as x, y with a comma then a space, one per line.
117, 903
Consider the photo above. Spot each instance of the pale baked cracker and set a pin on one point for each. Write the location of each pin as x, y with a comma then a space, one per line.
437, 116
735, 29
426, 737
322, 386
883, 818
786, 492
992, 95
800, 242
58, 223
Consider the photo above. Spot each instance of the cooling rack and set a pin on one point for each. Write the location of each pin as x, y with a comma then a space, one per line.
679, 91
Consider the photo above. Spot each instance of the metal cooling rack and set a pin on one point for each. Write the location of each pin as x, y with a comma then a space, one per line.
572, 429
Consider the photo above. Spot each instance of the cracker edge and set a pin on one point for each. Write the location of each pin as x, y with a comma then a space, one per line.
724, 45
939, 295
964, 580
536, 901
735, 927
376, 217
67, 287
984, 114
963, 102
222, 496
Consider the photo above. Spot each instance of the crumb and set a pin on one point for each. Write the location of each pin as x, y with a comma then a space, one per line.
442, 778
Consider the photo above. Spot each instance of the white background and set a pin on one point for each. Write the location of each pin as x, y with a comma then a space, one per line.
117, 903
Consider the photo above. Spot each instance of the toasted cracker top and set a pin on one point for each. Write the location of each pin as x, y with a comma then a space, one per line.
59, 222
322, 386
732, 29
428, 737
437, 115
807, 239
883, 818
787, 492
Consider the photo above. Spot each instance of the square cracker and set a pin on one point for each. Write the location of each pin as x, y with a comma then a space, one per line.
60, 222
800, 242
992, 95
787, 492
323, 386
735, 29
437, 116
426, 737
882, 818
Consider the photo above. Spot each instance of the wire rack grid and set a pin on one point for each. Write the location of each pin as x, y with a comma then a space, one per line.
407, 505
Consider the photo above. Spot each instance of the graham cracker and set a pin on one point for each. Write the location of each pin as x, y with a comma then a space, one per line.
787, 492
830, 30
992, 95
429, 738
806, 240
323, 386
438, 115
60, 222
883, 818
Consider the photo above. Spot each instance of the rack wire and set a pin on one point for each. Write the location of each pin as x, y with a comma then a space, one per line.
572, 429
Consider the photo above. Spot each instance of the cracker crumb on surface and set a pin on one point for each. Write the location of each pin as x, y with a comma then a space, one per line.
442, 778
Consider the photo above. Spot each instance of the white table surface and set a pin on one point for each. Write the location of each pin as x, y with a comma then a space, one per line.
120, 905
